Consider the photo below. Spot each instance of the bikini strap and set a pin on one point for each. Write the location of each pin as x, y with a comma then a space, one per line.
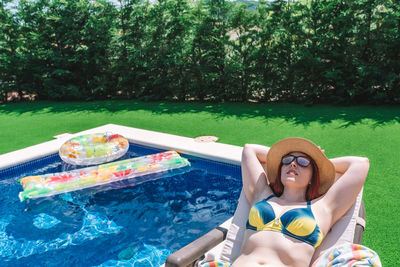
271, 196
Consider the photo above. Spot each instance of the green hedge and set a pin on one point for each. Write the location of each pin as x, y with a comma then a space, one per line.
299, 51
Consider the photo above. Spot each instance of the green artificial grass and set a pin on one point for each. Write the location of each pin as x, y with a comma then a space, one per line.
370, 131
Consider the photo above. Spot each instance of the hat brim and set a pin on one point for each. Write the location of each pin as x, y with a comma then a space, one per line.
281, 148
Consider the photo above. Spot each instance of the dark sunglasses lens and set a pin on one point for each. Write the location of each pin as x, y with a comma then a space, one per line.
303, 161
287, 159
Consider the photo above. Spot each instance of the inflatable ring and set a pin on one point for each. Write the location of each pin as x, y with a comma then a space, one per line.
93, 149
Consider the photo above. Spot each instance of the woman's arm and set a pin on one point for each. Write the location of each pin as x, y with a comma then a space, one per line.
342, 194
253, 174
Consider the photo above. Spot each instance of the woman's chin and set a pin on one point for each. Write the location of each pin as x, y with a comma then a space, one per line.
289, 179
292, 182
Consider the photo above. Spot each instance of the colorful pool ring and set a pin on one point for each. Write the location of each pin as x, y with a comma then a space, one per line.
93, 149
57, 183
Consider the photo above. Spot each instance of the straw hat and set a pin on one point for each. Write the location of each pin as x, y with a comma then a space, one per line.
295, 144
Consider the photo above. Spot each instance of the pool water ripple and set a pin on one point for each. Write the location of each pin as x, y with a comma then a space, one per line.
45, 221
93, 226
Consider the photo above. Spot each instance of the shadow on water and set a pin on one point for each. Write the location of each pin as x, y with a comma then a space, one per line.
295, 113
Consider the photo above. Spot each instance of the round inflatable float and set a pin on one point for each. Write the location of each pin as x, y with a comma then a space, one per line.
94, 148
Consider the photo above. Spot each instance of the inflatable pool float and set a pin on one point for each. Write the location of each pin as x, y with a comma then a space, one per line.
93, 149
52, 184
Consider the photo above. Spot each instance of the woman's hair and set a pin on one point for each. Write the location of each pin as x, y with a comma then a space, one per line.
312, 190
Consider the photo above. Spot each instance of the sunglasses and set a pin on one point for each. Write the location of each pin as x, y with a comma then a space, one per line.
302, 161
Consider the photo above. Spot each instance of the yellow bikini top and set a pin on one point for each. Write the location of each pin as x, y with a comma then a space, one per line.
298, 223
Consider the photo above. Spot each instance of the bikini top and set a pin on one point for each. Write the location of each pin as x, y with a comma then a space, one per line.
298, 223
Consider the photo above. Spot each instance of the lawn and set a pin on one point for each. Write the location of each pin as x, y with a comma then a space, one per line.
370, 131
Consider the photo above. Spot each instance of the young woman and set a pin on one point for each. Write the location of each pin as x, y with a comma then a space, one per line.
295, 200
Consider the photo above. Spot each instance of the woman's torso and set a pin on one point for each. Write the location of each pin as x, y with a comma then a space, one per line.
273, 248
268, 248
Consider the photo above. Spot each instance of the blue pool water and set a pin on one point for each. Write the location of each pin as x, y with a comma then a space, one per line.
126, 223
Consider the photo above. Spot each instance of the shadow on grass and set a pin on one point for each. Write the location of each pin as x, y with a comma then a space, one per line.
295, 113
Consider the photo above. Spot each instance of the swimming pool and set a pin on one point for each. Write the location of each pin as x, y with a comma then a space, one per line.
119, 223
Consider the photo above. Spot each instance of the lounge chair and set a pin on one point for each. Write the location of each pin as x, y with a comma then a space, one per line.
225, 241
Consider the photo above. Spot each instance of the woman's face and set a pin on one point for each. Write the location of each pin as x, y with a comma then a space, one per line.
294, 174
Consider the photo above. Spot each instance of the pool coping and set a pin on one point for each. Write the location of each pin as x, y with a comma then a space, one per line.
216, 151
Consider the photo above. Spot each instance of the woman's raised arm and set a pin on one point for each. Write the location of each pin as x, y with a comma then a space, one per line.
344, 191
253, 173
